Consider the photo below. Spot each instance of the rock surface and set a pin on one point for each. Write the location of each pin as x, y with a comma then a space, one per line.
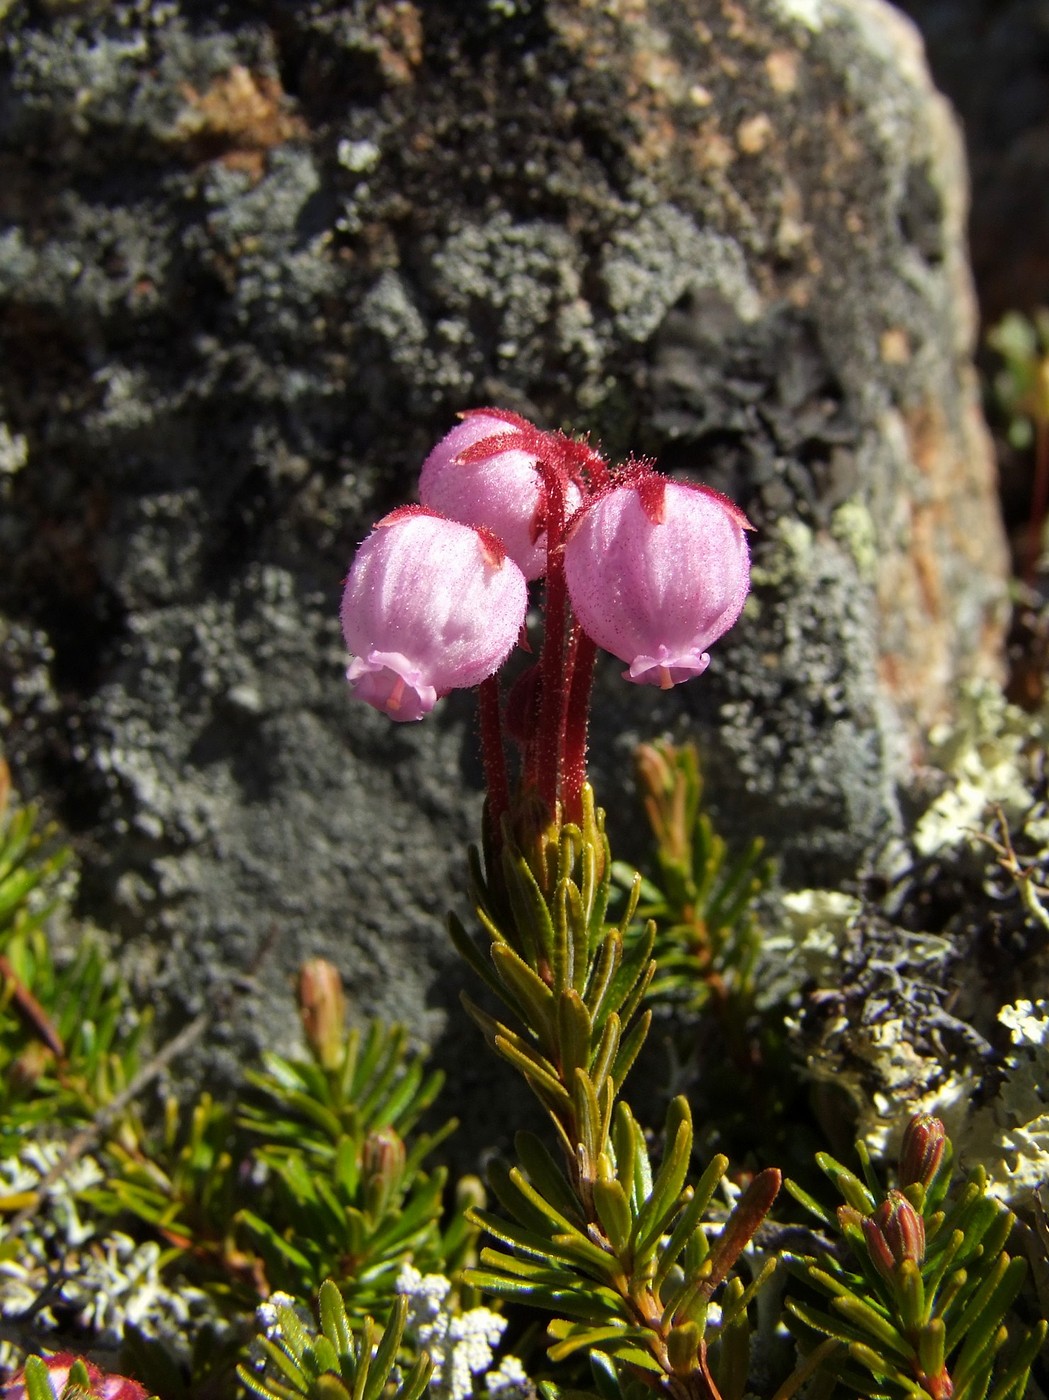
252, 260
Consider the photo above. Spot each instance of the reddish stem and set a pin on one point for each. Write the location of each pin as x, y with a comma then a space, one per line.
34, 1013
493, 756
553, 662
577, 719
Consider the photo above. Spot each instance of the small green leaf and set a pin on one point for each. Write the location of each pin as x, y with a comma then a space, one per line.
632, 1163
335, 1325
415, 1383
848, 1183
531, 913
471, 954
932, 1346
910, 1295
605, 1054
1012, 1383
37, 1380
669, 1181
386, 1352
269, 1236
575, 1336
867, 1320
881, 1366
688, 1220
546, 1176
574, 1033
528, 992
683, 1343
629, 1049
589, 1120
609, 956
613, 1211
523, 1197
981, 1319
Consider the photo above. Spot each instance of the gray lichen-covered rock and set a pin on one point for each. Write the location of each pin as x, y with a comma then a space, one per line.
252, 260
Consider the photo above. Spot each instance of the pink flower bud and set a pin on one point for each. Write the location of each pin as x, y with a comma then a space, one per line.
657, 570
503, 491
430, 606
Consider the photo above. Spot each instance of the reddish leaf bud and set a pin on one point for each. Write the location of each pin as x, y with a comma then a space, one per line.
322, 1006
922, 1150
382, 1166
894, 1232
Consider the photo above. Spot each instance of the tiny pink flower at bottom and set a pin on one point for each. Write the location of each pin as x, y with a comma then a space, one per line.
430, 606
668, 668
104, 1385
656, 571
388, 681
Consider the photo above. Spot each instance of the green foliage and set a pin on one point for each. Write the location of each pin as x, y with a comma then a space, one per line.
574, 985
183, 1185
349, 1192
916, 1303
615, 1250
69, 1042
1021, 386
334, 1190
336, 1362
317, 1182
701, 899
316, 1174
633, 1275
29, 863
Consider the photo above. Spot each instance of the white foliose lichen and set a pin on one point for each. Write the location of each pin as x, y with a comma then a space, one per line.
987, 755
103, 1283
461, 1344
1010, 1136
804, 945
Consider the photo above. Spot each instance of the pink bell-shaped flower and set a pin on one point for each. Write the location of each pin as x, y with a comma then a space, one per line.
502, 491
430, 605
656, 571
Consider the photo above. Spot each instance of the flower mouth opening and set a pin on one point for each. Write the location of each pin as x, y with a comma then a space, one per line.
388, 682
667, 669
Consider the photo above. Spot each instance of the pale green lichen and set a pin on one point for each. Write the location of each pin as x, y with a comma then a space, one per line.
810, 931
904, 1021
105, 1282
853, 526
809, 13
790, 558
1010, 1137
987, 755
